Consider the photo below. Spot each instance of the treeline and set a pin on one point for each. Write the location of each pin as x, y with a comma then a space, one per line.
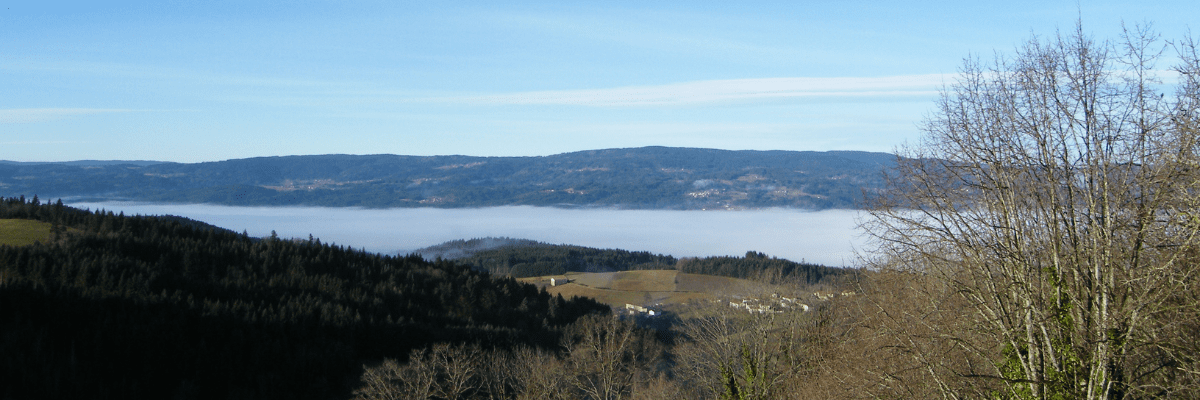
113, 306
600, 357
463, 248
520, 258
759, 266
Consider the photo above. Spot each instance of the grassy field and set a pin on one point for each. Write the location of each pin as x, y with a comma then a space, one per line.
21, 232
646, 288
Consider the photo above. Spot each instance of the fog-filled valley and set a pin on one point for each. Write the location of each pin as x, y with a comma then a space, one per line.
824, 237
650, 201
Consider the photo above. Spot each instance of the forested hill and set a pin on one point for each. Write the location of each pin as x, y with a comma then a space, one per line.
523, 258
519, 258
464, 248
648, 178
107, 306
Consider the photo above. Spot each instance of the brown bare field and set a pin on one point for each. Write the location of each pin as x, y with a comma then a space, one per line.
595, 280
644, 281
646, 288
709, 283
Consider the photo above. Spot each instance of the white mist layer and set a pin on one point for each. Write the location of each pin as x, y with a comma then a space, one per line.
824, 237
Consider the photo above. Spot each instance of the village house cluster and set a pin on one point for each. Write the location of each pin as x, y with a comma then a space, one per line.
778, 304
633, 309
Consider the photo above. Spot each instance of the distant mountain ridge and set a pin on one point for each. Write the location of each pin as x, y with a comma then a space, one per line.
641, 178
84, 163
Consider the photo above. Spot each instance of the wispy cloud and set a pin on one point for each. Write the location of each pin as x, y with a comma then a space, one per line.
45, 142
722, 91
27, 115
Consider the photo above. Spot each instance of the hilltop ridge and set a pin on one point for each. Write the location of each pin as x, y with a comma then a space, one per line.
637, 178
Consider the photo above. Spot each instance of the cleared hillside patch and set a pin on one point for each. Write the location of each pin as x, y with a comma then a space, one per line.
22, 232
615, 298
646, 288
645, 281
709, 283
595, 280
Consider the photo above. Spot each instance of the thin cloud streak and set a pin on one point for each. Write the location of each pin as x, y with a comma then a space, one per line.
44, 142
28, 115
722, 91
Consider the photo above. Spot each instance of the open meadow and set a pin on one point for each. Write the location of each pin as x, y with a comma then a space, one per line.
649, 288
21, 232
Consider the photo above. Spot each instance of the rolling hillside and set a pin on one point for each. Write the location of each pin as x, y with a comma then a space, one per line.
645, 288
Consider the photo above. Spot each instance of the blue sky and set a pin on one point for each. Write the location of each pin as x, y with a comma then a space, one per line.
213, 80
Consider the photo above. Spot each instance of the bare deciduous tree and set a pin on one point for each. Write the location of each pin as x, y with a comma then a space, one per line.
381, 382
443, 371
391, 380
1056, 199
730, 353
459, 369
606, 356
539, 375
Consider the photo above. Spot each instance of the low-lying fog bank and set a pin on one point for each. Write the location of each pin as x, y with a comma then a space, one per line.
826, 237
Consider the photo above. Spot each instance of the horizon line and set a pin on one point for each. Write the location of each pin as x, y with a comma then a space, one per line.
430, 155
